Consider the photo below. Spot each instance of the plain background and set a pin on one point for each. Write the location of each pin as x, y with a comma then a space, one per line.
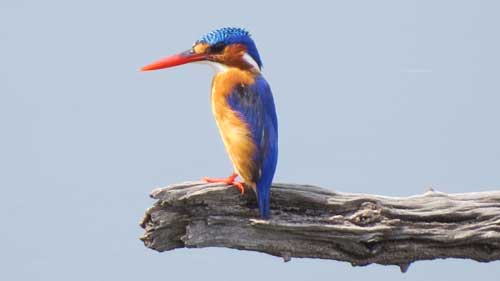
385, 97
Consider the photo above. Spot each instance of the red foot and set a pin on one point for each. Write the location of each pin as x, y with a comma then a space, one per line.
229, 180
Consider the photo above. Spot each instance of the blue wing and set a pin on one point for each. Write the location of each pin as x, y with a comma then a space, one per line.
255, 104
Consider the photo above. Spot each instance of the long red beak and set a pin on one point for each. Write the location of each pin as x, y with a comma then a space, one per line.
182, 58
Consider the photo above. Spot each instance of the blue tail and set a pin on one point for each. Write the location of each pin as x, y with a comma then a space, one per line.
269, 162
263, 200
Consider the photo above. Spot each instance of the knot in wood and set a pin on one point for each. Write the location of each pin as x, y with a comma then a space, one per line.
368, 213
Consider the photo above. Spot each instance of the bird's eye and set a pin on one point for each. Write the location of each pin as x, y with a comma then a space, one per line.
217, 48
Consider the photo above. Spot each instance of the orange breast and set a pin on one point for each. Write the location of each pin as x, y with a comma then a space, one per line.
234, 131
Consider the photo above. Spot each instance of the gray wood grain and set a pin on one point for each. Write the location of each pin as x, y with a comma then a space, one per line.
312, 222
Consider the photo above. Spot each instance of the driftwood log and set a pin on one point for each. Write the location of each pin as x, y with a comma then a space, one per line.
312, 222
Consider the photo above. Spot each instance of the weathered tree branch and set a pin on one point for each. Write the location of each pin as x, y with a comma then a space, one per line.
311, 222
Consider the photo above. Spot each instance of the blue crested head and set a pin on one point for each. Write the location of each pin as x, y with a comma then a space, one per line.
232, 35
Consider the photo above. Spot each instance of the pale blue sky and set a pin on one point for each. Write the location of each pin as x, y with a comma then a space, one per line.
383, 97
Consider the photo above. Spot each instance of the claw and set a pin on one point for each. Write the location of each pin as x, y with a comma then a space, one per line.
240, 186
229, 180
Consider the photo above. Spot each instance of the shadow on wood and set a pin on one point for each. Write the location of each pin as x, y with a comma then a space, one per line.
311, 222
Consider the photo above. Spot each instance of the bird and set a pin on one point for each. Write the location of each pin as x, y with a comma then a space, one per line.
242, 104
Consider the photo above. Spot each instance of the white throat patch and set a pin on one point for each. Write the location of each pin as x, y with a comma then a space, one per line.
251, 61
219, 67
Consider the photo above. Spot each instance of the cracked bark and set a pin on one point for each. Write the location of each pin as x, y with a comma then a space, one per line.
312, 222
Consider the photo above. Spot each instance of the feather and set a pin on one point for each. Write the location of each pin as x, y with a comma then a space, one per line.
254, 104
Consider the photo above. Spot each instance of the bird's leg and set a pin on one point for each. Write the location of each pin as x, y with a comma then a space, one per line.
229, 180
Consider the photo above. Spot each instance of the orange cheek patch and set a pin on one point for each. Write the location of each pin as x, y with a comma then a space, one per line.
233, 56
233, 53
235, 50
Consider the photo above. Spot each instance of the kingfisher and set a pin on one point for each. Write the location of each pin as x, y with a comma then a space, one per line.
243, 107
